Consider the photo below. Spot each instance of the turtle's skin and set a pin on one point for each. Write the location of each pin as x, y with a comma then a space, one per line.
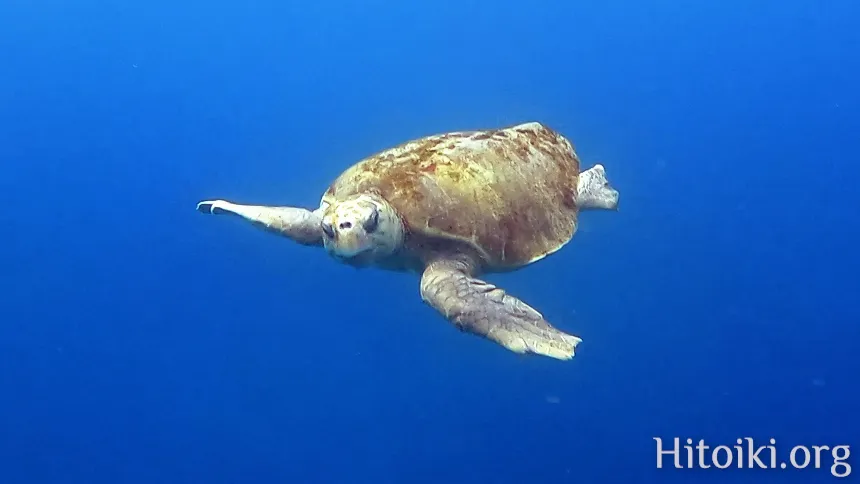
454, 206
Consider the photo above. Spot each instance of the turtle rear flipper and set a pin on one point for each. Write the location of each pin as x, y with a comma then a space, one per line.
483, 309
299, 224
594, 190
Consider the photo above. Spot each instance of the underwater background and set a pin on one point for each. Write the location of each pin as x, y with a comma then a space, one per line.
143, 342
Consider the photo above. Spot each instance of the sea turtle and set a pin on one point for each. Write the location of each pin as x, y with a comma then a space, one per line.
453, 206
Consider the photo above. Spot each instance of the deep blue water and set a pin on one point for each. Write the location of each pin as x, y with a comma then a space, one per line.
142, 342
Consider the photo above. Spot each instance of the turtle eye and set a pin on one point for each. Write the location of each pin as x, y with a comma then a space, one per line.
372, 221
328, 229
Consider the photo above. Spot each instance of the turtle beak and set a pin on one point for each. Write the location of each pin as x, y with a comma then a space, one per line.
372, 221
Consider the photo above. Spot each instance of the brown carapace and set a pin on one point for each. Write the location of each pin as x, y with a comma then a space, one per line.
509, 194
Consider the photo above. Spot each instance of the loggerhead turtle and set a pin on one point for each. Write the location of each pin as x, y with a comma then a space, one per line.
454, 206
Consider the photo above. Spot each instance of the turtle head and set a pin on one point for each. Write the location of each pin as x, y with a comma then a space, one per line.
363, 226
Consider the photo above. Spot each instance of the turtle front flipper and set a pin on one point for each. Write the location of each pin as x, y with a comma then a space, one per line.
483, 309
299, 224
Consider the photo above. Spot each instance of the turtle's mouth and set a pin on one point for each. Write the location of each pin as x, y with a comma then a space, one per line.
361, 259
348, 254
347, 245
358, 255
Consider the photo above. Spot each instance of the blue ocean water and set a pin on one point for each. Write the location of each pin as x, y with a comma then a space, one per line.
142, 342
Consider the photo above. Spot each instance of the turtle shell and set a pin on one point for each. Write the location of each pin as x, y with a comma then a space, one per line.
509, 194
